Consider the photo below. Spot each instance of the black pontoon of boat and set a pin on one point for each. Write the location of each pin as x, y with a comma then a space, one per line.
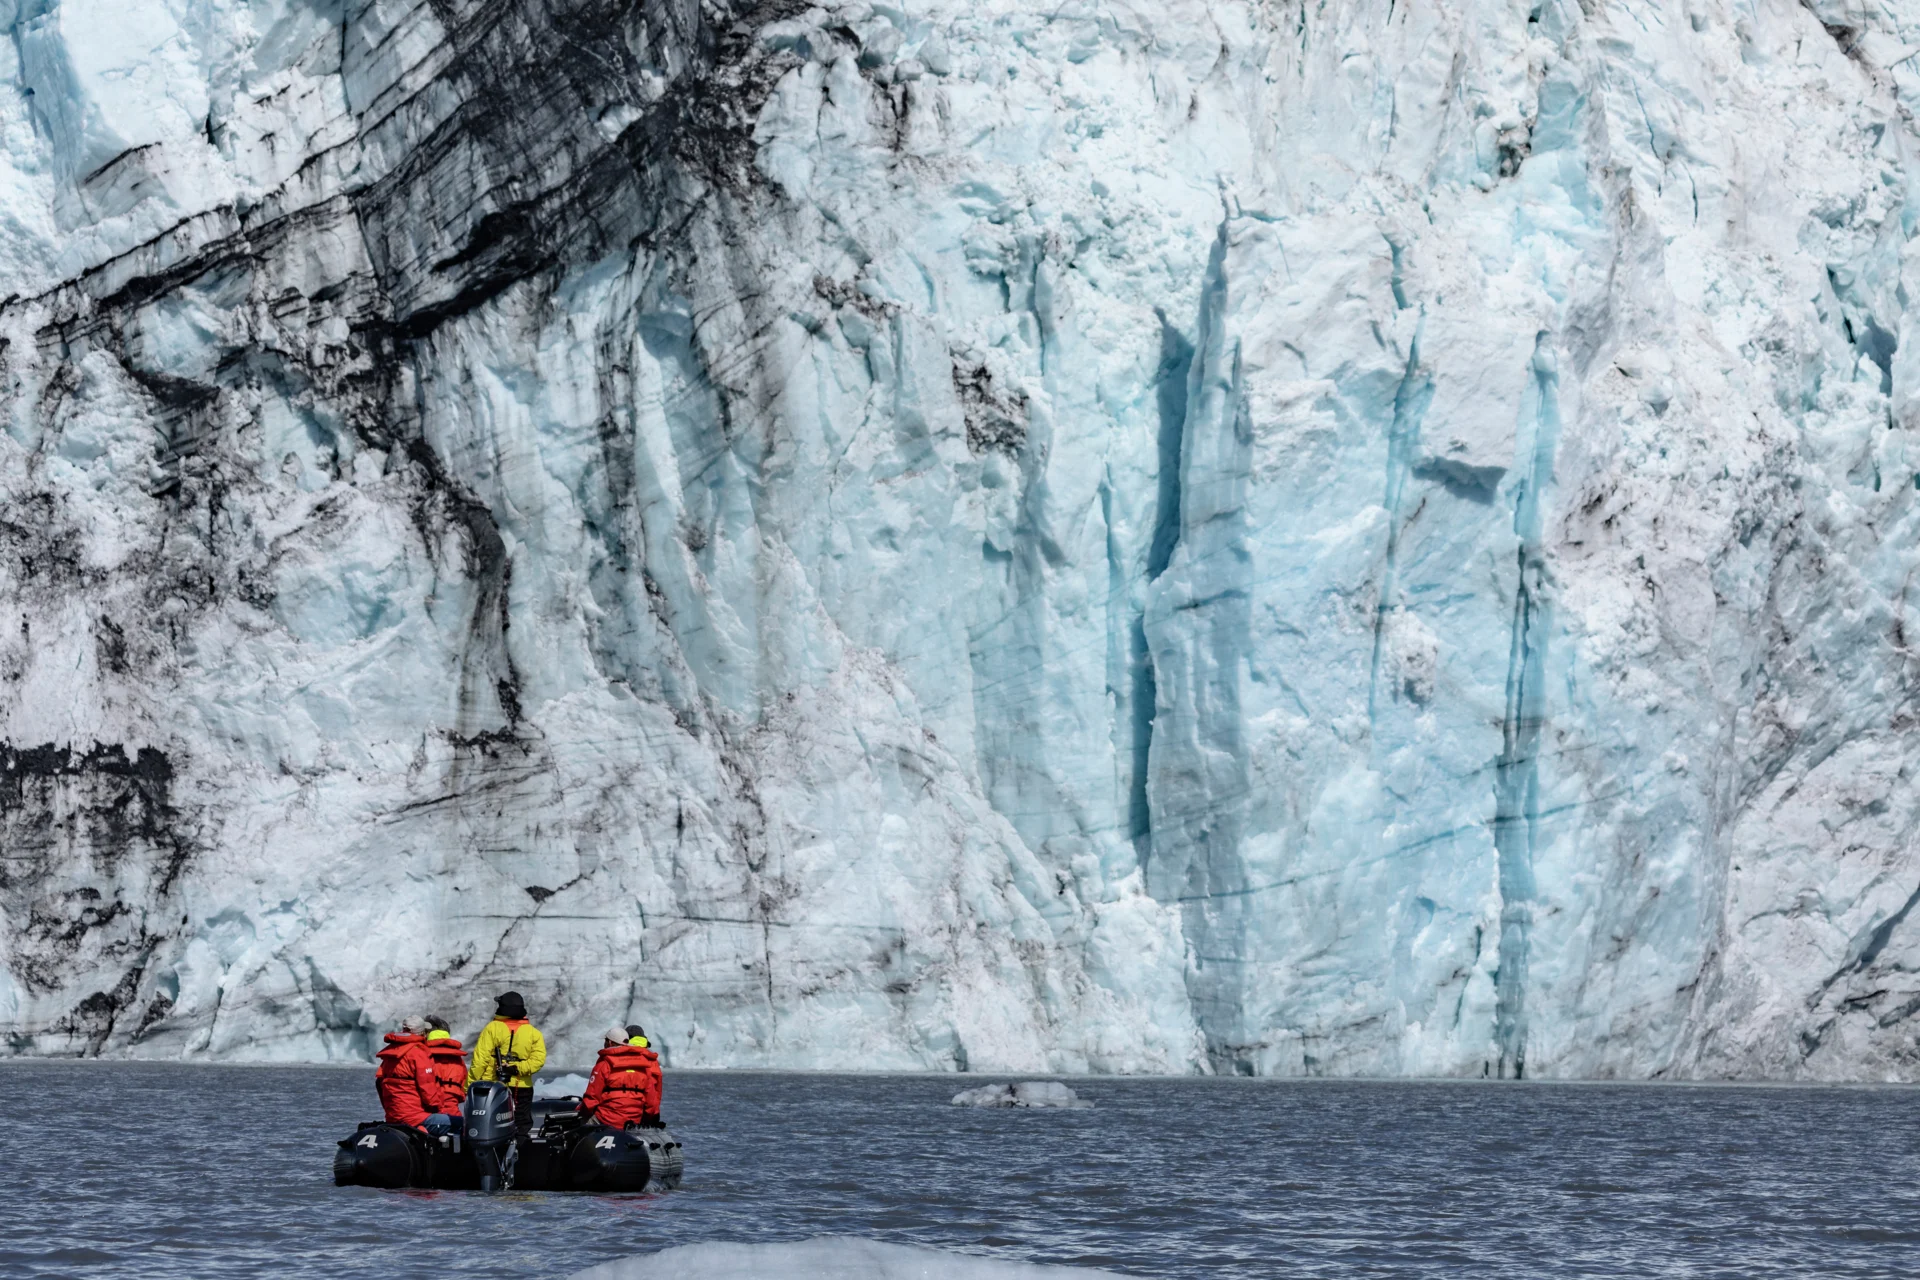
564, 1151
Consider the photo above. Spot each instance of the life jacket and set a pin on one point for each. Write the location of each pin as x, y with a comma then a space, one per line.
625, 1086
630, 1067
449, 1070
403, 1077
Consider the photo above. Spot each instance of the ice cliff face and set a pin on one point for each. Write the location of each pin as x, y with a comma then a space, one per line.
1333, 537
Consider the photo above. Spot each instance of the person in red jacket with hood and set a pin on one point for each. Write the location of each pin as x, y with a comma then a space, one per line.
403, 1076
625, 1086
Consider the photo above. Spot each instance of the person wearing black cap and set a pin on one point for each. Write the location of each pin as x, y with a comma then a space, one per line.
510, 1049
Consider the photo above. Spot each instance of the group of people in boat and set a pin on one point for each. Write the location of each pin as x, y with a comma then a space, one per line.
422, 1074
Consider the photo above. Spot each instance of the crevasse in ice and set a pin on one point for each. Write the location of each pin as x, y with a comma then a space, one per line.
1337, 538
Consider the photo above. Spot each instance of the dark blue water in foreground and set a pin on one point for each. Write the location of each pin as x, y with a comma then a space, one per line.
147, 1170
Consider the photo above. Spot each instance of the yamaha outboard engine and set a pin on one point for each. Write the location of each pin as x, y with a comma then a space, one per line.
378, 1155
487, 1116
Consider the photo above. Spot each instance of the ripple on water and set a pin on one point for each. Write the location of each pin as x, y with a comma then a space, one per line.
144, 1170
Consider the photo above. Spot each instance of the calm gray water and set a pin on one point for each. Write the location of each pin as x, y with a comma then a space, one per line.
148, 1170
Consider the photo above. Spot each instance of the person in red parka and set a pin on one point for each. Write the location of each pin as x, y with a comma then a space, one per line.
625, 1086
403, 1076
448, 1068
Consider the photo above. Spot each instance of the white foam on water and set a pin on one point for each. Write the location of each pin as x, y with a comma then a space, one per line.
841, 1258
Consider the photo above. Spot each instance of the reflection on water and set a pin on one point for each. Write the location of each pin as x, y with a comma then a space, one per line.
133, 1170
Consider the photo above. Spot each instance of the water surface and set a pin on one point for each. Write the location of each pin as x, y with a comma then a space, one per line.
137, 1170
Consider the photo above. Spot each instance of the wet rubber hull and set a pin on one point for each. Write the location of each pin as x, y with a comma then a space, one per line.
588, 1158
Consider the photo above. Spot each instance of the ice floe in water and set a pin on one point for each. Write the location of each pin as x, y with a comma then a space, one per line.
840, 1258
1028, 1093
571, 1085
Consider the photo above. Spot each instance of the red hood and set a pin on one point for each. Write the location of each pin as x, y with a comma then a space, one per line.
398, 1038
629, 1056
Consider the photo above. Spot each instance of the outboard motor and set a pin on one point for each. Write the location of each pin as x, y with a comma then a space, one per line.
487, 1117
378, 1155
606, 1159
542, 1161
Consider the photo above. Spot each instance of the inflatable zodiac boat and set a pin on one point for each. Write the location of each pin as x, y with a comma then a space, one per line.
564, 1151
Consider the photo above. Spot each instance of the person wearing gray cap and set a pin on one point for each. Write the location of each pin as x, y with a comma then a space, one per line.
403, 1075
625, 1086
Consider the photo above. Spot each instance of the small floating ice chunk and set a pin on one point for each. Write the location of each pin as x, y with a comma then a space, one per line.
1028, 1093
567, 1086
842, 1258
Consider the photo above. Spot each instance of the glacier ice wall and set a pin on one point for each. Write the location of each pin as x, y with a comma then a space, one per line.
1335, 537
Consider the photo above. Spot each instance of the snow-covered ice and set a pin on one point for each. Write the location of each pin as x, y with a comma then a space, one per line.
1026, 1093
842, 1258
1000, 536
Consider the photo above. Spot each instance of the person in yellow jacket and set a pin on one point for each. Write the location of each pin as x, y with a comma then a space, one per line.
510, 1049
